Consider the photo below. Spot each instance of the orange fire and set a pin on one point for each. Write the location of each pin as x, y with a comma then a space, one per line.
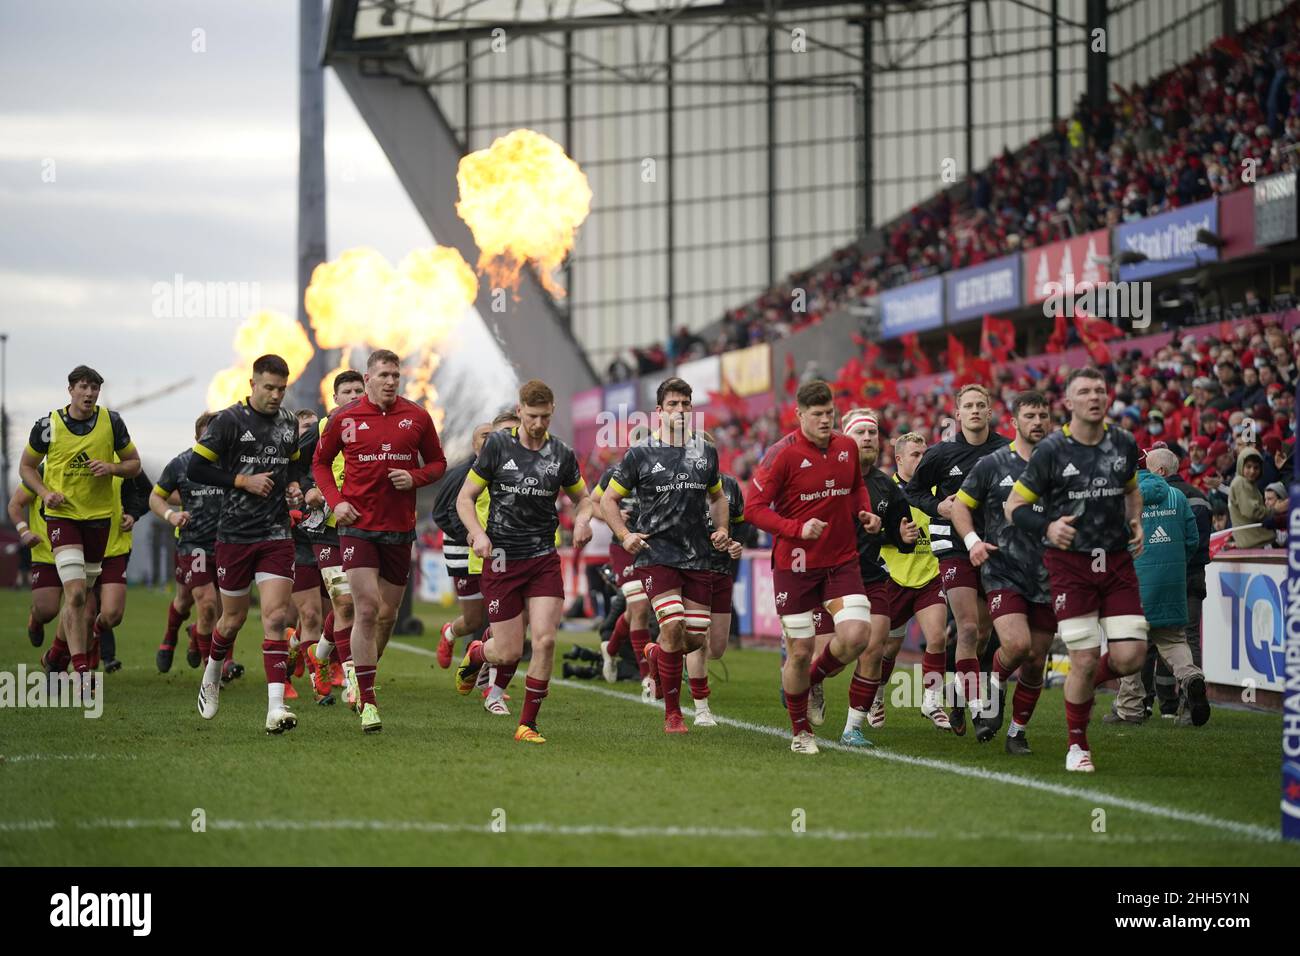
261, 333
523, 199
359, 300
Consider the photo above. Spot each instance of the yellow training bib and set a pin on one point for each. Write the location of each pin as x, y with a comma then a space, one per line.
67, 470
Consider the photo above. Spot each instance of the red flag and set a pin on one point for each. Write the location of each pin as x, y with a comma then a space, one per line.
879, 391
1060, 336
912, 352
791, 379
957, 357
1091, 327
1094, 332
997, 338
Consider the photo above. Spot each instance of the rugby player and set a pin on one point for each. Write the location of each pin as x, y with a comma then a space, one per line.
251, 450
84, 447
1086, 477
196, 524
898, 530
455, 553
683, 517
1013, 572
809, 495
523, 469
390, 448
933, 488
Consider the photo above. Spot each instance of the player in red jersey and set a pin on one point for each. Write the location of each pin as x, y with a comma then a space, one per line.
380, 435
809, 495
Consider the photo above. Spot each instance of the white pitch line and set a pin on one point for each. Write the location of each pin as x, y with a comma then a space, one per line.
596, 830
1095, 797
28, 758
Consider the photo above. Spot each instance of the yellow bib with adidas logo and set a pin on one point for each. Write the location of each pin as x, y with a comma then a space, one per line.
336, 466
67, 471
119, 541
41, 554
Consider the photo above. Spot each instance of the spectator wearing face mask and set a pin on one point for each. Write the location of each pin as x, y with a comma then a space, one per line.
1275, 500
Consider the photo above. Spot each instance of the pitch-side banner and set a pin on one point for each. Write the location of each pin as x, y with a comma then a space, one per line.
915, 307
1243, 613
1168, 241
989, 287
1081, 257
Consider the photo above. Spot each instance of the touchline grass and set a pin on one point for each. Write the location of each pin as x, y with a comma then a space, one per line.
151, 782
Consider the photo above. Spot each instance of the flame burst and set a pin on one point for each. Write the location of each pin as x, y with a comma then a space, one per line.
261, 333
360, 300
523, 199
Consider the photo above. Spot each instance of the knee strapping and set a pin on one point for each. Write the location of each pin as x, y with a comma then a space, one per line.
856, 607
698, 621
798, 626
70, 565
1125, 627
336, 582
669, 608
633, 591
1081, 633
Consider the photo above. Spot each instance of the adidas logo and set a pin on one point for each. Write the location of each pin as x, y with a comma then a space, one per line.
806, 464
510, 466
80, 460
1070, 471
1006, 482
657, 467
1159, 536
247, 436
364, 426
956, 470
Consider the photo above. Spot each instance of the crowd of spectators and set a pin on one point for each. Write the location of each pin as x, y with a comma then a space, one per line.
1181, 138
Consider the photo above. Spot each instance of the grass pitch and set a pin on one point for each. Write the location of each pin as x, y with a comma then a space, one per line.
445, 783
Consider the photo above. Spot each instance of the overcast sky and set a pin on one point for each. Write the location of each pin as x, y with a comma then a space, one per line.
126, 158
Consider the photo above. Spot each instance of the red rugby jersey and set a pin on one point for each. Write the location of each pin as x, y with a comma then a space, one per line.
373, 440
796, 481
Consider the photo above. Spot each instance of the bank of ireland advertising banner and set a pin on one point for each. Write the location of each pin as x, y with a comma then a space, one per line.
1168, 240
915, 307
991, 287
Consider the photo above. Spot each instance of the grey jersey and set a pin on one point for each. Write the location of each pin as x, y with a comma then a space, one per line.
1089, 481
629, 504
1017, 564
243, 441
721, 561
523, 485
672, 484
203, 502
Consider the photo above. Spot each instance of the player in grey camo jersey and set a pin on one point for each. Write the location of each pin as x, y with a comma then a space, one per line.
200, 512
251, 449
1087, 474
724, 567
676, 480
1010, 561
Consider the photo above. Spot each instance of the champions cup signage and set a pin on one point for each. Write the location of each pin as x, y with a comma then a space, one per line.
1291, 672
990, 287
1168, 240
1275, 209
915, 307
1079, 259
